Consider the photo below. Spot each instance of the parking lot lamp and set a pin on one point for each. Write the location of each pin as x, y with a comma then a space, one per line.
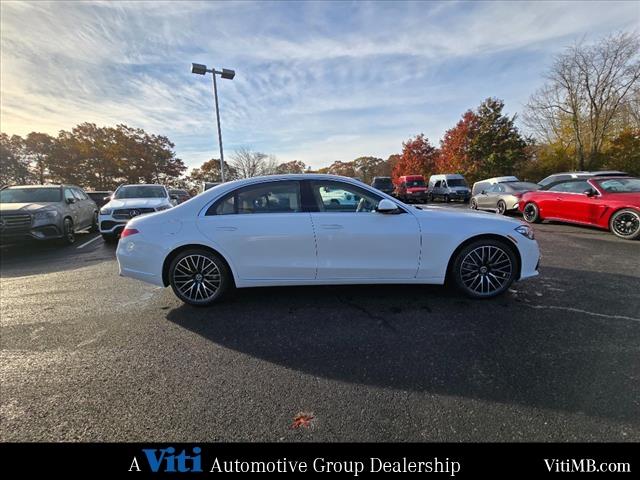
200, 69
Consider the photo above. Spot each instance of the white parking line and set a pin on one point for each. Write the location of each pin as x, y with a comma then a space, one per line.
87, 243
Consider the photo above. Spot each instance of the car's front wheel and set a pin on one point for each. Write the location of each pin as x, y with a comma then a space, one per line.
625, 224
474, 204
68, 232
485, 268
199, 277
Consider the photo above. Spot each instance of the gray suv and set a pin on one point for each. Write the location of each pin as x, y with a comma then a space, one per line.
45, 212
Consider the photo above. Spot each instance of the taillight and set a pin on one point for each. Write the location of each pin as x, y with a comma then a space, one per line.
128, 231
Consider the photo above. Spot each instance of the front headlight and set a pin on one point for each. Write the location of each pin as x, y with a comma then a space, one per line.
105, 211
526, 230
163, 207
46, 215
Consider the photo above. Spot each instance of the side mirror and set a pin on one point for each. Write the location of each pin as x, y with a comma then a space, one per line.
71, 200
106, 199
386, 206
589, 192
483, 192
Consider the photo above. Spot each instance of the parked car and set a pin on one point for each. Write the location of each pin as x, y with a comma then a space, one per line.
384, 184
45, 212
563, 176
129, 201
180, 195
502, 197
281, 230
411, 188
611, 203
485, 184
447, 187
100, 197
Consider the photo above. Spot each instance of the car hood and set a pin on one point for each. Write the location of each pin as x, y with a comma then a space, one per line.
24, 207
137, 203
466, 215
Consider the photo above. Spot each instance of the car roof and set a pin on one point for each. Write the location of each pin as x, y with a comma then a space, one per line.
40, 186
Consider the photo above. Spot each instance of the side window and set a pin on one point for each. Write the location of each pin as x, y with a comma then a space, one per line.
437, 184
500, 188
570, 187
79, 194
343, 197
68, 194
273, 197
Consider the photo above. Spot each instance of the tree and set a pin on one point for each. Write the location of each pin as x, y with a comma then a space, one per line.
624, 152
346, 169
248, 163
294, 166
14, 165
588, 86
496, 146
368, 167
209, 171
418, 158
38, 149
455, 155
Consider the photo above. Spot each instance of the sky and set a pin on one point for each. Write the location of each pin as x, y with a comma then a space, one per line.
315, 81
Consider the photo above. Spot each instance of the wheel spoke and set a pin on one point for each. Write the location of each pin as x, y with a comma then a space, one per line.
197, 277
486, 269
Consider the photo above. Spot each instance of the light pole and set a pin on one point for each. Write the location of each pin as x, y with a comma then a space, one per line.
200, 69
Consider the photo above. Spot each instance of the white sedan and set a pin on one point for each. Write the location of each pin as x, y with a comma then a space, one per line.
286, 230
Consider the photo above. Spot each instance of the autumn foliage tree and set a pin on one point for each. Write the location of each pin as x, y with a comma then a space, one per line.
418, 158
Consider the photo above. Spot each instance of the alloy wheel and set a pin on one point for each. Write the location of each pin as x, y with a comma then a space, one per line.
626, 224
530, 212
197, 278
501, 207
486, 269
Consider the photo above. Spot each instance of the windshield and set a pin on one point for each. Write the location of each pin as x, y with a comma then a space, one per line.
141, 191
382, 182
620, 185
523, 186
30, 195
415, 183
456, 182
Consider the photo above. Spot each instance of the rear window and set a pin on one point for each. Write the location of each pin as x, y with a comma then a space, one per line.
523, 186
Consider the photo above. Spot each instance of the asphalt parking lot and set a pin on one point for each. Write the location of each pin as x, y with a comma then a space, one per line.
89, 356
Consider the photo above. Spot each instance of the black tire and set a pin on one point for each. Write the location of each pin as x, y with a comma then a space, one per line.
446, 198
502, 207
68, 232
473, 204
203, 270
94, 223
430, 198
531, 213
485, 268
625, 224
109, 238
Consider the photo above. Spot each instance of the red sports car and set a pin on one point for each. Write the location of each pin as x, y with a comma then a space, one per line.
612, 203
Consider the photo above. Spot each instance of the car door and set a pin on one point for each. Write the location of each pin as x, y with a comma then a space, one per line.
484, 198
264, 232
85, 207
574, 204
356, 242
72, 206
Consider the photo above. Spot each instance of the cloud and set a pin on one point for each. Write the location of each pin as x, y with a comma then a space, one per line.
317, 81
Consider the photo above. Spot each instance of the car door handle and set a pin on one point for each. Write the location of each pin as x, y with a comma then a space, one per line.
227, 229
332, 226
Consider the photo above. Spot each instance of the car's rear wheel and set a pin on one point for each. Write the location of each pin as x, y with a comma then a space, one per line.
199, 277
502, 207
625, 224
531, 213
68, 232
485, 268
473, 204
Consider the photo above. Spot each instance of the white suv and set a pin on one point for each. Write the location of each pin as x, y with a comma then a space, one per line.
129, 201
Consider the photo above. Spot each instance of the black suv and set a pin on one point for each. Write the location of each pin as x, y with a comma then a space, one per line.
384, 184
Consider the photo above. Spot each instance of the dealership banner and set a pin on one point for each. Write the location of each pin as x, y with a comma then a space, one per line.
455, 460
